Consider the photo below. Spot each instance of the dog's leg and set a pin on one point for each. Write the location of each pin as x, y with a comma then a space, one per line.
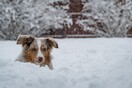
50, 65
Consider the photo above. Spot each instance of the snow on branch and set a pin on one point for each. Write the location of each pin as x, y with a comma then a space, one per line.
108, 18
29, 17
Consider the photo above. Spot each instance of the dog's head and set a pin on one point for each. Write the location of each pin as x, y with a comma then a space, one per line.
38, 48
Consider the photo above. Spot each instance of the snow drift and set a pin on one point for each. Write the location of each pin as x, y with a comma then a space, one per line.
78, 63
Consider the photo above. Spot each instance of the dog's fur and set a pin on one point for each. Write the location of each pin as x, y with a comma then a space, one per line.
36, 50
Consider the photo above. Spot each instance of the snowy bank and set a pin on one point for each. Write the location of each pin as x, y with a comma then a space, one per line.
78, 63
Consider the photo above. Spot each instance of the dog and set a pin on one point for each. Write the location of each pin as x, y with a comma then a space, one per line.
36, 50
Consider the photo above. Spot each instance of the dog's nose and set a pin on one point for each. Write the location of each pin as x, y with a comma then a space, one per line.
40, 59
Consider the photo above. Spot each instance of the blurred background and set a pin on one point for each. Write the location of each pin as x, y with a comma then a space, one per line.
65, 18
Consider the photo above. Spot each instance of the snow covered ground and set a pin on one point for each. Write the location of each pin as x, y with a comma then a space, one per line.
78, 63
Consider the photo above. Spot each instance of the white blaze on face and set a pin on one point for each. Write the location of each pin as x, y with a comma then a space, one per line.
39, 54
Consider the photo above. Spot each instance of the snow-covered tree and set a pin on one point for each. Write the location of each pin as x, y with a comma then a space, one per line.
30, 17
109, 19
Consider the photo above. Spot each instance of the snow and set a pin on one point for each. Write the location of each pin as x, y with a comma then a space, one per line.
78, 63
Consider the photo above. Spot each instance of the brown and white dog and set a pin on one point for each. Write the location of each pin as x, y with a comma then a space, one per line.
36, 50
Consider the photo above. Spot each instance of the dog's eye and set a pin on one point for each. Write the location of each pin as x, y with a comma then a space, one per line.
34, 49
43, 49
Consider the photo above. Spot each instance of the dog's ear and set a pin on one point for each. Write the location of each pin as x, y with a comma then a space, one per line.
25, 39
51, 43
